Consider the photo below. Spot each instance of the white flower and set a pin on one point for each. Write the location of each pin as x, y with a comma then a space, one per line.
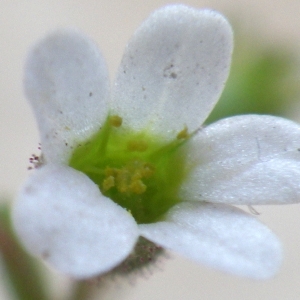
172, 74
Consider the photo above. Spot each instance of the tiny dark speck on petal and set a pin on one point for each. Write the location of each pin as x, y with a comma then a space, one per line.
90, 94
45, 254
29, 190
168, 71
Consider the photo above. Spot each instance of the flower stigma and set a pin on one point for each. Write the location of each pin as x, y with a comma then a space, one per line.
137, 170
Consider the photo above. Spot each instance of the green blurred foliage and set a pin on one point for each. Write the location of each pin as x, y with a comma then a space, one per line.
261, 81
23, 274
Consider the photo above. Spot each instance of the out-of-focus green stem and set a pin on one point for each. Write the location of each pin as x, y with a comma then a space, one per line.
21, 270
82, 290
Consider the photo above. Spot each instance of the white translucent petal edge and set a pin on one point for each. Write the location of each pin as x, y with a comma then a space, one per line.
66, 82
61, 216
173, 70
218, 236
247, 159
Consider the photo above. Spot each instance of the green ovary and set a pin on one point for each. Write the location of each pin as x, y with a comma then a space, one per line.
137, 170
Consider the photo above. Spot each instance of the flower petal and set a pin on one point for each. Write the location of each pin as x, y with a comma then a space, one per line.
173, 70
62, 217
219, 236
245, 160
67, 85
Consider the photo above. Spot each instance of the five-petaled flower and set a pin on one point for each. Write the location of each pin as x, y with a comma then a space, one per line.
136, 161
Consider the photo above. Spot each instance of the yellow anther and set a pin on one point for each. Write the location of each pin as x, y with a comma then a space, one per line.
137, 175
109, 171
108, 183
116, 121
129, 178
148, 170
121, 180
183, 134
122, 187
137, 187
138, 146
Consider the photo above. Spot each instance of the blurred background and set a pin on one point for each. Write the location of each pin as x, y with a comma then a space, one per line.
264, 78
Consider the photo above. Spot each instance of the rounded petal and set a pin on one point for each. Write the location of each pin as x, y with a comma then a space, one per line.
218, 236
173, 70
61, 216
245, 160
67, 85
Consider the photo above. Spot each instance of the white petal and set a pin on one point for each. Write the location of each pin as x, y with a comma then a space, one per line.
245, 160
173, 70
219, 236
67, 85
61, 216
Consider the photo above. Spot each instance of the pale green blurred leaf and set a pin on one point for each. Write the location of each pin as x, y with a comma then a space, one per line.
261, 81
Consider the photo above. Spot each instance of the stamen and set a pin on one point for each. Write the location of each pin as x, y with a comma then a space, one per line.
137, 187
138, 146
115, 121
108, 183
128, 179
35, 160
183, 134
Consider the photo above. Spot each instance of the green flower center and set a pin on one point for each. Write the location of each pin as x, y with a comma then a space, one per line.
137, 170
